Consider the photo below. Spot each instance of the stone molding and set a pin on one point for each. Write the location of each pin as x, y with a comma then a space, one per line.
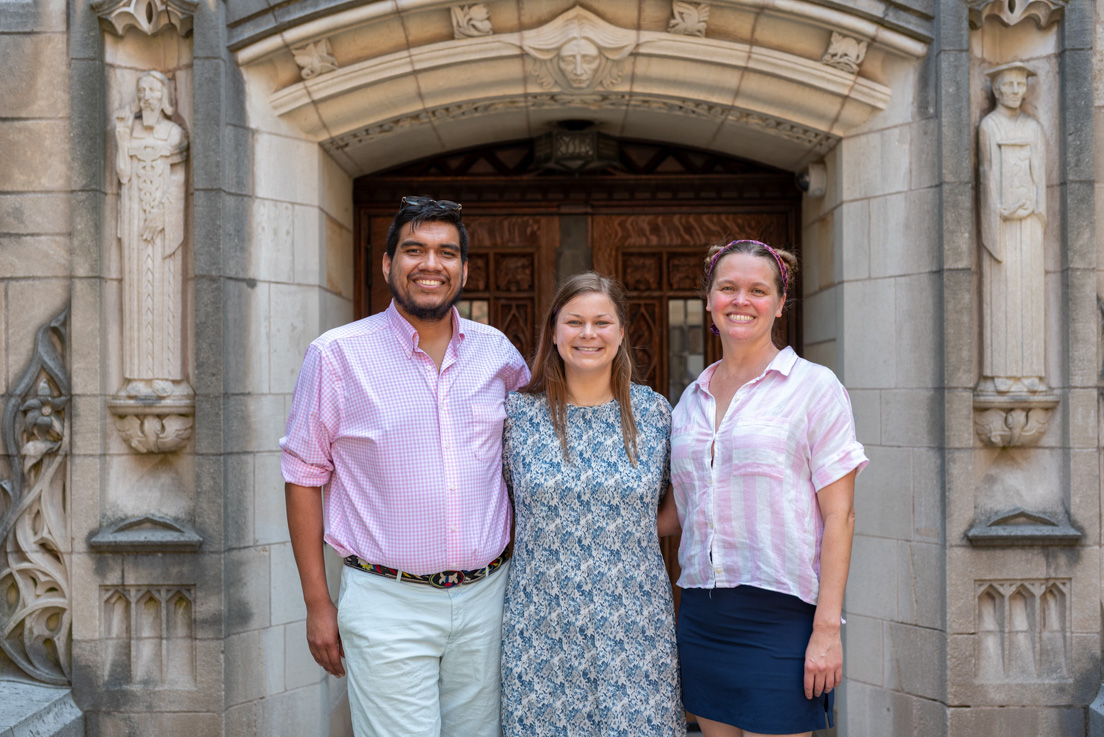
1019, 527
151, 533
148, 635
1010, 12
1024, 629
34, 578
149, 16
471, 21
816, 140
315, 59
688, 19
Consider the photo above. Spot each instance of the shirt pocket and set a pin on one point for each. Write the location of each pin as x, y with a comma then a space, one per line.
761, 447
486, 430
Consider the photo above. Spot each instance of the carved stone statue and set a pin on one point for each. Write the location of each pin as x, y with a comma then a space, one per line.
1012, 402
1012, 156
150, 153
578, 51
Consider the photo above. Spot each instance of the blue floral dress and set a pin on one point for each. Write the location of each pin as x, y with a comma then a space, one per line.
588, 630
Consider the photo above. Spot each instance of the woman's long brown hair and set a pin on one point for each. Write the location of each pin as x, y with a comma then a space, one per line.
548, 367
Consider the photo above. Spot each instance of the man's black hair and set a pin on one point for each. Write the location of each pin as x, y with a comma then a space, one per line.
427, 211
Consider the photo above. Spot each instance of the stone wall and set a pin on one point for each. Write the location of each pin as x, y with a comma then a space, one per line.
871, 260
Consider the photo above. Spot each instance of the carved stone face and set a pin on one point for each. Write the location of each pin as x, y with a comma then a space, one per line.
1010, 86
579, 59
151, 99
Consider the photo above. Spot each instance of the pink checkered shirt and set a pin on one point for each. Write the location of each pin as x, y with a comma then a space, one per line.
410, 458
751, 516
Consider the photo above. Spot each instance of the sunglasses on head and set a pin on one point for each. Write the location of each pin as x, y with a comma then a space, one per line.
417, 201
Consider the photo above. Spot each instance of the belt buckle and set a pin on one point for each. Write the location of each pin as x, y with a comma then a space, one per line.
446, 579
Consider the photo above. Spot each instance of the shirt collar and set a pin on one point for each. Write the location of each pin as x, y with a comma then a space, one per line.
783, 363
408, 334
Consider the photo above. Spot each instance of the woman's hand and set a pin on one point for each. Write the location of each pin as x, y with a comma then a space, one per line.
823, 662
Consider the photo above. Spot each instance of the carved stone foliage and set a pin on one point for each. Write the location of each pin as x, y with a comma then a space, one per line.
315, 59
578, 51
149, 16
1023, 630
844, 52
1011, 12
688, 19
155, 406
148, 636
34, 581
1012, 400
471, 21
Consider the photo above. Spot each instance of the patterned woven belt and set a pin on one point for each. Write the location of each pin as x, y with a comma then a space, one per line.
439, 580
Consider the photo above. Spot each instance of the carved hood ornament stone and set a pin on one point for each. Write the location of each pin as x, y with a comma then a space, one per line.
149, 16
471, 21
578, 51
688, 19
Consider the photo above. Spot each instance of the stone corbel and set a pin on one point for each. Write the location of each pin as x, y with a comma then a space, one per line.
1012, 421
149, 16
154, 418
1011, 12
844, 53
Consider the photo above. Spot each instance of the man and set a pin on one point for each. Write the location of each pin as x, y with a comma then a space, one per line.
399, 416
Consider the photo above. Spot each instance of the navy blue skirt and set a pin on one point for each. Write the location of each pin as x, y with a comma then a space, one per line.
742, 653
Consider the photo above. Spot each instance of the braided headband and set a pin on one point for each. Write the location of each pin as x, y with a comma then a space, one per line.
778, 259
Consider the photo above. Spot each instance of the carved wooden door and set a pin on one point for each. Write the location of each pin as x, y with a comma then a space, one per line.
511, 272
659, 258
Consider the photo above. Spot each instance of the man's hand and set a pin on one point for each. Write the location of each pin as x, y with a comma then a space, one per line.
323, 638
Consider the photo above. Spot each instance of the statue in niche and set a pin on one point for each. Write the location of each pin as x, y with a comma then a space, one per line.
150, 154
578, 51
1012, 156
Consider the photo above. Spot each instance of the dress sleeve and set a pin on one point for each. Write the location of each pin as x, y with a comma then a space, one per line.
307, 458
833, 449
507, 426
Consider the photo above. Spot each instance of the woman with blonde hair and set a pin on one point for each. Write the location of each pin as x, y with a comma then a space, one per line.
763, 459
588, 630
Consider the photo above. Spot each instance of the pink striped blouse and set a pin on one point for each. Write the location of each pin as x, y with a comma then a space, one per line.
751, 517
411, 458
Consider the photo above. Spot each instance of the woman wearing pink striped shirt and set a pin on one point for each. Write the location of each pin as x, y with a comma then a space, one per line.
763, 462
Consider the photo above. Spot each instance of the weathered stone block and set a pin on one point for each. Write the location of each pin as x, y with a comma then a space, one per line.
293, 324
238, 161
869, 310
955, 129
254, 422
1016, 722
339, 259
268, 494
254, 665
276, 155
28, 213
272, 255
921, 578
822, 316
240, 508
916, 660
292, 712
287, 597
925, 139
248, 591
300, 668
863, 658
928, 494
918, 302
243, 720
307, 245
883, 494
912, 418
34, 710
37, 85
873, 573
246, 326
337, 192
34, 256
87, 97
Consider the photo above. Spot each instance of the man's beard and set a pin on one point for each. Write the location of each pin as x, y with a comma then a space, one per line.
150, 116
432, 313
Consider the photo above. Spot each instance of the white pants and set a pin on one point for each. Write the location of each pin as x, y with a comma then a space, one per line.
422, 662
